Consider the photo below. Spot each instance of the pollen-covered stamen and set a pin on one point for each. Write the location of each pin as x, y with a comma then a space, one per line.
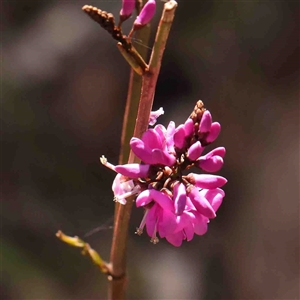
154, 239
140, 229
104, 162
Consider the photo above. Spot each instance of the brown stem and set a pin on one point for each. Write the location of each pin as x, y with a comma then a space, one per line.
117, 265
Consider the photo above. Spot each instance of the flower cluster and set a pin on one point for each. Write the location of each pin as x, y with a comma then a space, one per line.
177, 204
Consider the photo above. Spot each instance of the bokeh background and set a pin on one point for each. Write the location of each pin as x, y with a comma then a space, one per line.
63, 88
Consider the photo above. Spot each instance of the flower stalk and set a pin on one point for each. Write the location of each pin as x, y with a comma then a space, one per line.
118, 255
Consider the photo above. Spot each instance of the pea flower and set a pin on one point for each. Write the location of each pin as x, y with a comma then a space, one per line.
177, 204
154, 115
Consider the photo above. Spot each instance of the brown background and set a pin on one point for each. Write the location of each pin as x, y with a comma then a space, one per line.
63, 94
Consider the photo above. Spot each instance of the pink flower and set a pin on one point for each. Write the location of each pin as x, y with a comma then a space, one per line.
155, 147
154, 115
177, 206
123, 188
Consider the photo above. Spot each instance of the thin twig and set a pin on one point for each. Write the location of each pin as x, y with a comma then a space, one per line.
122, 213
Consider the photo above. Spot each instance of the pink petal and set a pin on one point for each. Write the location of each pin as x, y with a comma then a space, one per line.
179, 137
215, 197
206, 122
163, 158
202, 205
175, 239
206, 181
211, 164
151, 219
219, 151
195, 151
151, 140
162, 199
120, 186
146, 13
143, 198
189, 231
179, 198
184, 220
200, 228
167, 223
214, 132
189, 204
133, 170
154, 114
161, 131
127, 7
170, 129
139, 150
189, 127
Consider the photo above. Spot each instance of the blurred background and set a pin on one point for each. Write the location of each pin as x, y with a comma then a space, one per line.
63, 89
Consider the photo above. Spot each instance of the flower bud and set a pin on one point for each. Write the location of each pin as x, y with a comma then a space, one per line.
206, 181
189, 127
145, 15
214, 132
195, 151
133, 170
127, 9
210, 164
179, 137
205, 123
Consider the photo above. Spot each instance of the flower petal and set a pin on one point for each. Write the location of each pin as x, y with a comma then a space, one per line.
143, 198
215, 197
189, 127
214, 132
133, 170
120, 187
175, 239
154, 114
151, 140
179, 198
167, 223
210, 164
184, 220
220, 151
189, 231
195, 151
127, 9
206, 122
163, 158
200, 228
151, 219
202, 205
162, 199
146, 13
206, 181
139, 150
179, 137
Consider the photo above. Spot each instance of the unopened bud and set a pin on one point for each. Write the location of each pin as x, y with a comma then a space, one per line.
127, 9
145, 15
